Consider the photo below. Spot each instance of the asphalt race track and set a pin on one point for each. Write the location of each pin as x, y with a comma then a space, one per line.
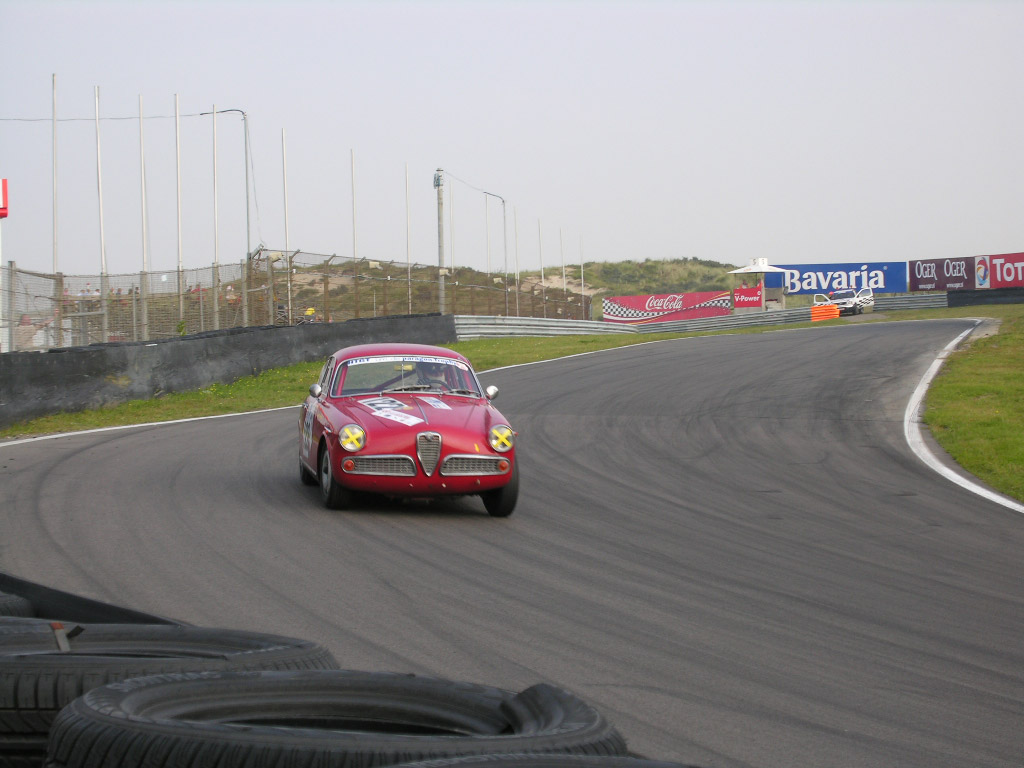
723, 543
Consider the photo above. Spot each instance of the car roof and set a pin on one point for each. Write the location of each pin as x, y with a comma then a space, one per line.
396, 348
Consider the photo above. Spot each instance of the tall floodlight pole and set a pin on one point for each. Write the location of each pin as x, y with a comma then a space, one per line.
352, 155
99, 186
103, 242
451, 228
561, 249
216, 233
248, 228
515, 219
583, 284
487, 230
216, 239
142, 190
543, 287
177, 155
439, 186
408, 240
144, 278
504, 250
55, 174
287, 247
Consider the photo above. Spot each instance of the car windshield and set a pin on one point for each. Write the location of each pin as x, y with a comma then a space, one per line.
843, 295
405, 373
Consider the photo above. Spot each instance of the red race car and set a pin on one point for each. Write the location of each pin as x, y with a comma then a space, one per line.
406, 420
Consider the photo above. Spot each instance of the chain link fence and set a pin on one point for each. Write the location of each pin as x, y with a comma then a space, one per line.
41, 311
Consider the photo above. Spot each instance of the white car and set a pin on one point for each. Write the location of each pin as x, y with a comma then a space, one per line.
850, 302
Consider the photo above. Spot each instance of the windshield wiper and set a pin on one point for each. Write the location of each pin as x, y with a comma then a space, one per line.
464, 392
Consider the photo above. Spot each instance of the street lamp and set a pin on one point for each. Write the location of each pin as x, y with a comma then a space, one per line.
504, 238
245, 131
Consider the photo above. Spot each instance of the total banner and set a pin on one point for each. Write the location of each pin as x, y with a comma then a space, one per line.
663, 307
880, 276
1002, 271
942, 274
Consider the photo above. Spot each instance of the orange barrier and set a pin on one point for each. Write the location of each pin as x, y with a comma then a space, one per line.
824, 312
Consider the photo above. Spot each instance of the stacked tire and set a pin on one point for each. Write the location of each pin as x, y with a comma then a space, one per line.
45, 665
323, 718
80, 695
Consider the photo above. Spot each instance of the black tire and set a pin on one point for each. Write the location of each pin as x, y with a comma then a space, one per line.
37, 679
15, 605
305, 476
341, 718
501, 501
335, 496
549, 760
22, 751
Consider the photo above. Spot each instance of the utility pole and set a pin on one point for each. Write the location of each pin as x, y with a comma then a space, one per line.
439, 186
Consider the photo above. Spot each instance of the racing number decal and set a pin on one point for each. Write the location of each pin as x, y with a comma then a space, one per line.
307, 428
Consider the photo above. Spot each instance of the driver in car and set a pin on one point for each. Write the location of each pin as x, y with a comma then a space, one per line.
431, 374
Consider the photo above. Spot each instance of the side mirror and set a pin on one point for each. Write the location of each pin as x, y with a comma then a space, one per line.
315, 390
491, 392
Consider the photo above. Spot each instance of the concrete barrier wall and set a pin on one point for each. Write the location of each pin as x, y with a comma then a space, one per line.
990, 296
39, 383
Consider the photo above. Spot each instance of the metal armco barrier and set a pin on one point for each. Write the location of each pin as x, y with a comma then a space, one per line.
727, 322
480, 327
919, 301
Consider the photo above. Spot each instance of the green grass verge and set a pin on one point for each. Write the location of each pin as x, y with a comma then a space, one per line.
975, 407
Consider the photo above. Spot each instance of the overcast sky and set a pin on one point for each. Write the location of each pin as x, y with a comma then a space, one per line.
801, 131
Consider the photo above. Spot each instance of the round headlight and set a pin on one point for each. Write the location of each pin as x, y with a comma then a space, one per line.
501, 438
352, 437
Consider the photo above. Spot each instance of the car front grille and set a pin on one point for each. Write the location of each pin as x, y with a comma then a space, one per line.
400, 466
428, 450
473, 465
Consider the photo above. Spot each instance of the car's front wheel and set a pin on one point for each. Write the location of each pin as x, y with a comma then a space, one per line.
501, 501
334, 494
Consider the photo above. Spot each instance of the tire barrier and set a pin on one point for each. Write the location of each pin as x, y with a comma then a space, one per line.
325, 718
46, 665
14, 605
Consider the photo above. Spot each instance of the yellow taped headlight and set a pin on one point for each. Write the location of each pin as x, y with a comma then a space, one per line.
352, 437
501, 438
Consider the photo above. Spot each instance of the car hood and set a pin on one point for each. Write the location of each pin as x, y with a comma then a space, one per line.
404, 411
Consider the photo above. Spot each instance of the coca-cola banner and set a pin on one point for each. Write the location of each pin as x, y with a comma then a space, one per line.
942, 274
1004, 271
746, 298
660, 308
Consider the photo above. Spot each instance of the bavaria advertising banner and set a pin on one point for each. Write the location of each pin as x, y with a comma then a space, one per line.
1004, 271
880, 276
660, 308
942, 274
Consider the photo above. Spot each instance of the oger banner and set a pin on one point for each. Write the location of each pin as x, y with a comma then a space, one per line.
880, 276
942, 274
660, 308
